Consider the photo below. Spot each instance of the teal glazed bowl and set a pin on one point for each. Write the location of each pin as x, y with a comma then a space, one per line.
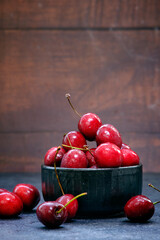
108, 189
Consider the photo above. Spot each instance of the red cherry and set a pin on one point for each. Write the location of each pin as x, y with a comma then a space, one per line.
90, 157
94, 166
130, 158
29, 195
88, 125
108, 155
74, 139
47, 214
108, 133
74, 159
50, 156
125, 146
72, 207
10, 204
139, 209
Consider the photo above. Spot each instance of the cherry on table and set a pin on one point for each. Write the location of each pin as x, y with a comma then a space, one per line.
139, 209
108, 155
47, 214
108, 133
74, 159
125, 146
10, 204
29, 195
72, 207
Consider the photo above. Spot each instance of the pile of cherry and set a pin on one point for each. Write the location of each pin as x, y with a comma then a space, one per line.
74, 153
110, 150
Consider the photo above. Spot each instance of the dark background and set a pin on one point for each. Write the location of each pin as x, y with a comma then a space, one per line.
106, 54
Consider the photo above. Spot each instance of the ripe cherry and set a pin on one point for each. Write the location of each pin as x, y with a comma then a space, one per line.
10, 204
74, 159
50, 156
47, 214
72, 207
88, 123
90, 157
139, 209
130, 158
29, 195
74, 139
108, 155
108, 133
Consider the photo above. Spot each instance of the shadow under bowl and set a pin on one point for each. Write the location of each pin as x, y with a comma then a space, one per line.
108, 189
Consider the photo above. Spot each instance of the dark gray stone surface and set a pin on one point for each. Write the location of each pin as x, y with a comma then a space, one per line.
28, 227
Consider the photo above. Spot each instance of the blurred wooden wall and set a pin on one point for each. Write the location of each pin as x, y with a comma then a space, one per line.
106, 54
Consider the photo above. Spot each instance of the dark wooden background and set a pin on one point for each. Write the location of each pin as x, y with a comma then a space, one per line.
106, 54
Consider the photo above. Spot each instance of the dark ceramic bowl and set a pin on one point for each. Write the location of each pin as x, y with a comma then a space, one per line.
108, 188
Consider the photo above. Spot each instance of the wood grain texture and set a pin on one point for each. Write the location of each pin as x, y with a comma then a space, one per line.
114, 74
82, 14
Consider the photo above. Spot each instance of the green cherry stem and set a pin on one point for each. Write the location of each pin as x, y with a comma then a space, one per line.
83, 149
68, 98
156, 202
150, 185
80, 195
56, 170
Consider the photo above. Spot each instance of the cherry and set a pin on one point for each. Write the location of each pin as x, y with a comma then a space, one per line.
29, 195
72, 207
10, 204
74, 159
108, 133
88, 123
108, 155
74, 139
47, 214
130, 158
94, 166
125, 146
50, 156
139, 209
90, 157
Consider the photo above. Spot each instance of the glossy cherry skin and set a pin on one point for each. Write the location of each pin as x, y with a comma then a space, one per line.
46, 213
10, 205
139, 209
130, 158
108, 155
108, 133
125, 146
72, 207
74, 139
90, 157
74, 159
50, 156
29, 195
88, 125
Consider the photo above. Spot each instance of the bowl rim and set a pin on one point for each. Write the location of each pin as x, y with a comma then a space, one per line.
43, 166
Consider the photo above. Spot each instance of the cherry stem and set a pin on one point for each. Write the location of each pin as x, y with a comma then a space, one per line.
87, 149
83, 149
56, 170
68, 98
80, 195
150, 185
156, 202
